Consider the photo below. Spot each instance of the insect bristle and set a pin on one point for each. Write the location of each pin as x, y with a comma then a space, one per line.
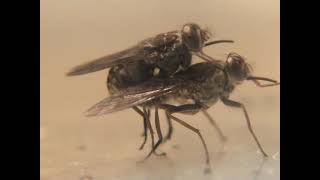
250, 68
207, 33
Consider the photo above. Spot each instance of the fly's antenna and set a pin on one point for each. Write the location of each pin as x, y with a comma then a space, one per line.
256, 79
217, 42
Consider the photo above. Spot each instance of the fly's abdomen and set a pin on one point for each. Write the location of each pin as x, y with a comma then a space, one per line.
114, 82
204, 86
123, 76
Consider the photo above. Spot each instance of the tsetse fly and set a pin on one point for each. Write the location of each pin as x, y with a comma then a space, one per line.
202, 83
162, 56
166, 51
122, 77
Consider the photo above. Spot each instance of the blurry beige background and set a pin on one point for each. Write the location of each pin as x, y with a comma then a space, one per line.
106, 148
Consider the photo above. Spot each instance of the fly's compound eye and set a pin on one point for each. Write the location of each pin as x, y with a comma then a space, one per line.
235, 59
193, 37
236, 64
187, 30
237, 67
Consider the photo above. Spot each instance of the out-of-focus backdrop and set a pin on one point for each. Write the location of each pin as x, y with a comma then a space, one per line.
74, 147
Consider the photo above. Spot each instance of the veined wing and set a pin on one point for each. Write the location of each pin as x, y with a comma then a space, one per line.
132, 96
139, 52
126, 56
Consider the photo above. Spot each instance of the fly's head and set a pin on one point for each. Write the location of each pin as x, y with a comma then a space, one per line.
194, 37
237, 69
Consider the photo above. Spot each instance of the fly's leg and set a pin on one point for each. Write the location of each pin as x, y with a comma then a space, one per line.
170, 129
231, 103
207, 58
223, 138
190, 109
145, 126
182, 109
159, 133
194, 108
147, 117
197, 131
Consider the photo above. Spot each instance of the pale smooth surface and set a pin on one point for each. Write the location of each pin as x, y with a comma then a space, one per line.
106, 148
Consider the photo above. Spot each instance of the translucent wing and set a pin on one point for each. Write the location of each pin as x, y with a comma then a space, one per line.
132, 97
125, 56
139, 52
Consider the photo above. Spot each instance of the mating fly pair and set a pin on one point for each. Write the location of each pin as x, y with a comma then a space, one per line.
162, 56
137, 83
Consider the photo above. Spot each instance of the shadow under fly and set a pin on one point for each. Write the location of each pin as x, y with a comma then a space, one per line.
203, 83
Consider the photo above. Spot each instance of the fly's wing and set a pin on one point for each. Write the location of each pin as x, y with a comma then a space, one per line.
145, 50
125, 56
132, 96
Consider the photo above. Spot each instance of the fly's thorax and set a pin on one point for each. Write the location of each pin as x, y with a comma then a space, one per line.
167, 52
229, 88
175, 61
205, 88
213, 87
185, 57
164, 42
197, 93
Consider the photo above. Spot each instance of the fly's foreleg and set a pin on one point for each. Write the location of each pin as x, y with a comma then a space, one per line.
231, 103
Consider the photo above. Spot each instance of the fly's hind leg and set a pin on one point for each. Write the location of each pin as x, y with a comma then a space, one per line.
193, 109
222, 137
189, 109
170, 129
145, 127
159, 133
148, 113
